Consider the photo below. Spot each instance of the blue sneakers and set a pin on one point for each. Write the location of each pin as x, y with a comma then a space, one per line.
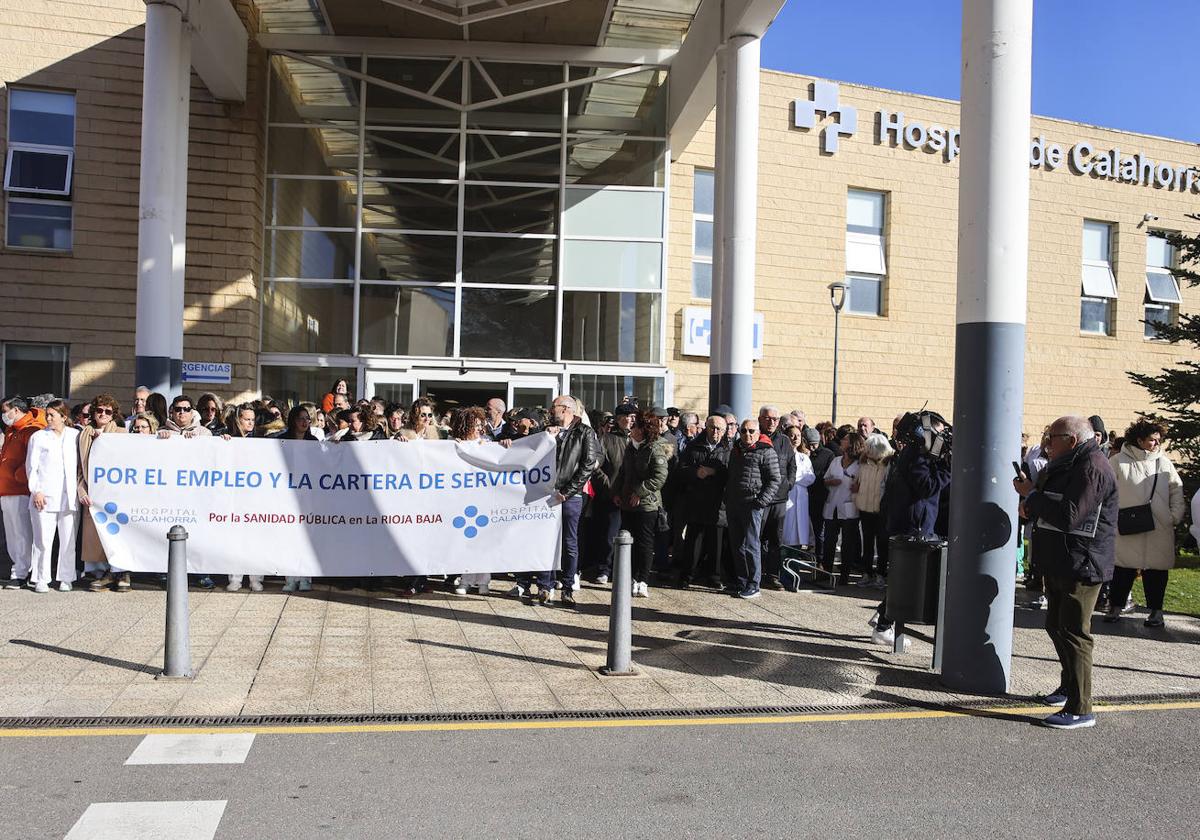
1055, 698
750, 592
1066, 720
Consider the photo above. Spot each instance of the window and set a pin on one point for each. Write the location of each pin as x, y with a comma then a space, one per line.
1099, 282
703, 201
32, 369
1162, 291
866, 265
38, 168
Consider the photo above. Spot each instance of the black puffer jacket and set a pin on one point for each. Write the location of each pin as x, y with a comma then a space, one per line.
579, 457
753, 475
783, 447
1077, 492
702, 496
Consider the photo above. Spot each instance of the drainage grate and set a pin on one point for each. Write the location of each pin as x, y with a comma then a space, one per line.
533, 717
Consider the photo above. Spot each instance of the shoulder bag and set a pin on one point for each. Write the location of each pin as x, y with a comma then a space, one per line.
1137, 519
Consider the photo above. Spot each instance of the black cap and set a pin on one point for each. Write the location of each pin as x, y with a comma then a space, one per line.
625, 408
1098, 425
672, 412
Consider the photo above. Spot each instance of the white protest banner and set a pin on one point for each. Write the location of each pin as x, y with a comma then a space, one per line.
303, 508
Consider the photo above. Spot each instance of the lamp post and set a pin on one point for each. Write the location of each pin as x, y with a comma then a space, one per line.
837, 299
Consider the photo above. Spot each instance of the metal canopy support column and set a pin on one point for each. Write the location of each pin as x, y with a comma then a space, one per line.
738, 220
993, 254
157, 320
179, 207
716, 359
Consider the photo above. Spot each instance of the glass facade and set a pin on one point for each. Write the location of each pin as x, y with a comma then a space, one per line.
455, 208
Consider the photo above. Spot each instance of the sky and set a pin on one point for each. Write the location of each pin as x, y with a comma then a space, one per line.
1125, 64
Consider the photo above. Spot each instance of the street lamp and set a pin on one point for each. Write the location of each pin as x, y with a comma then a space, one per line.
837, 299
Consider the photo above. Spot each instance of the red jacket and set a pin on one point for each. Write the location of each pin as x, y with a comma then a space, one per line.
13, 481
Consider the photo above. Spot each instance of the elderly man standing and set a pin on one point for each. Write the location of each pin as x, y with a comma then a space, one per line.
493, 427
1074, 510
749, 489
774, 514
702, 470
578, 457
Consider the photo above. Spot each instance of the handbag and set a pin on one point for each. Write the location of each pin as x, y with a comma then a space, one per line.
1137, 519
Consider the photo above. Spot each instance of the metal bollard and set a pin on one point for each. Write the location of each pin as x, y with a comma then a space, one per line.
620, 617
177, 653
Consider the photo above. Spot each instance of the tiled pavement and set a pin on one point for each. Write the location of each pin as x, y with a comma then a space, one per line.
85, 654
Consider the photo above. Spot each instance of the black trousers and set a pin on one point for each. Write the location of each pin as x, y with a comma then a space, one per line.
1154, 581
642, 526
700, 554
851, 545
772, 538
874, 543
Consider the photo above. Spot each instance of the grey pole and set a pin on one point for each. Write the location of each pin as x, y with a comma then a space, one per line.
837, 299
993, 262
620, 617
716, 352
177, 652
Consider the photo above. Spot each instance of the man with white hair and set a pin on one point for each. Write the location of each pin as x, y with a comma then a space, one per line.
494, 424
776, 511
1074, 510
140, 394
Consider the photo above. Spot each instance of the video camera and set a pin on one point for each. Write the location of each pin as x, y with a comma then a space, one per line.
917, 428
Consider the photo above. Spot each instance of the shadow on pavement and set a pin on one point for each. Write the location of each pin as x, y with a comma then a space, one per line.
90, 657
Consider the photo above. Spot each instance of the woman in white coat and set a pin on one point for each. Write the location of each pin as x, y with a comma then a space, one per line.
52, 462
797, 527
1146, 476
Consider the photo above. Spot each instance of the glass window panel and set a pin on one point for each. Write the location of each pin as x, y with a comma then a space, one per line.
605, 391
703, 191
500, 260
533, 112
507, 324
387, 106
411, 154
615, 161
702, 239
406, 321
701, 280
865, 296
34, 171
533, 397
391, 204
400, 393
405, 256
41, 116
329, 149
499, 157
492, 209
305, 384
1094, 315
1096, 236
624, 265
638, 100
310, 254
1098, 281
609, 212
1161, 288
1159, 253
1157, 313
864, 252
36, 224
32, 369
307, 317
611, 326
864, 211
294, 202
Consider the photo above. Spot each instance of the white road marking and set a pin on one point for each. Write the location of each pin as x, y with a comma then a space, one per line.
212, 748
149, 821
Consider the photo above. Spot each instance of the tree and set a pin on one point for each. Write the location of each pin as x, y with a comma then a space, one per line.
1176, 390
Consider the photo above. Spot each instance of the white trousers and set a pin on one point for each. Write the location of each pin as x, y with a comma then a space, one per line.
18, 533
44, 524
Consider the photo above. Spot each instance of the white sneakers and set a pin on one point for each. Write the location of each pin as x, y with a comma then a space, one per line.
41, 587
517, 591
640, 590
888, 638
256, 583
234, 584
63, 586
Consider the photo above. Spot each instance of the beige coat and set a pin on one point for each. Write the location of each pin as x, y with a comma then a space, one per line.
92, 551
1135, 469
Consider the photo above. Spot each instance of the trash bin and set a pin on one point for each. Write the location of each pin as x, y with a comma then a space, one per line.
914, 576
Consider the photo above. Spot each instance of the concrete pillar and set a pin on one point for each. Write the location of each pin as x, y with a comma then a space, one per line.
179, 202
739, 231
157, 320
993, 254
716, 358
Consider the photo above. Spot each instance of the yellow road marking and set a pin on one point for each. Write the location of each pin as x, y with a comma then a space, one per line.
472, 726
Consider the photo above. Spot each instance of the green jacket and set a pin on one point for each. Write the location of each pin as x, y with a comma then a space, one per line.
645, 472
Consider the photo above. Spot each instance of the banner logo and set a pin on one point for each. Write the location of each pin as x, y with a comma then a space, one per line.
111, 518
470, 522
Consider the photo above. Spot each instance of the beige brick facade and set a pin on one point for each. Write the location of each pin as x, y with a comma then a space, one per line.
900, 360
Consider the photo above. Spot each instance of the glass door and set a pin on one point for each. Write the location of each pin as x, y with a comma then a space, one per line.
391, 386
533, 391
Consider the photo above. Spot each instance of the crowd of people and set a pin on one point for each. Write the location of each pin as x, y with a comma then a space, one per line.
716, 503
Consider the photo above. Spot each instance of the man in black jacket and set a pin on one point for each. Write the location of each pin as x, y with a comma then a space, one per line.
578, 458
702, 470
606, 517
752, 484
773, 515
1074, 509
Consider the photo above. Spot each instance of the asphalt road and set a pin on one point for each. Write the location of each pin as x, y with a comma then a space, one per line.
1133, 775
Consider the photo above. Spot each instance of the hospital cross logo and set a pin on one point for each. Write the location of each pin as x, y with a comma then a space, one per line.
111, 518
470, 522
825, 102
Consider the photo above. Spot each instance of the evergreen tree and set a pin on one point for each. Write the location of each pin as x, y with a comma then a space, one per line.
1176, 390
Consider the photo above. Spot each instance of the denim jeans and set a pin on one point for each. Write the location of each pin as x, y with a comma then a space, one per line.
571, 509
745, 534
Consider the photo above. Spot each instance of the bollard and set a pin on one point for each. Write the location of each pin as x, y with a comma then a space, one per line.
177, 654
620, 617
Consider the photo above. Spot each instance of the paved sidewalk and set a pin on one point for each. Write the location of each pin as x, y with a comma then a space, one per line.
336, 652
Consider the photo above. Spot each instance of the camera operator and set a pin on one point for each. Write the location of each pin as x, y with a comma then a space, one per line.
919, 476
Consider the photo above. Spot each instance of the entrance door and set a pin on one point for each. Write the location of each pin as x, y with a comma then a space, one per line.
533, 391
450, 394
390, 386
